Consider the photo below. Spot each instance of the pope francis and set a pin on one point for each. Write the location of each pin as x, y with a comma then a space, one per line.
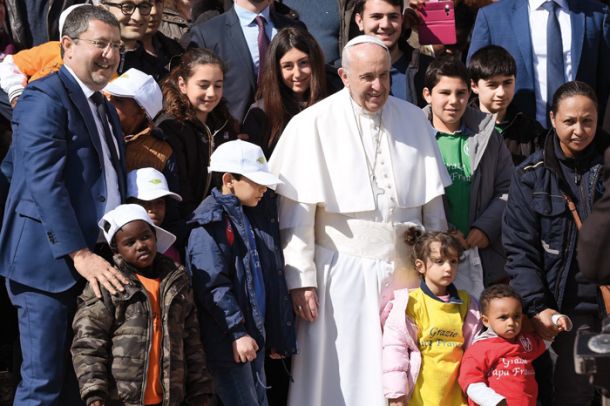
358, 168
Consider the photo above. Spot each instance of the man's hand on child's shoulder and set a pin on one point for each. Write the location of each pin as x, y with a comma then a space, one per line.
244, 349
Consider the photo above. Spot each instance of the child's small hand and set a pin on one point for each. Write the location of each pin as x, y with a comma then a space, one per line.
96, 403
401, 401
244, 349
562, 322
543, 324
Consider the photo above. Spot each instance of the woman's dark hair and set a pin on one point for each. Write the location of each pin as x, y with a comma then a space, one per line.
421, 241
176, 103
571, 89
498, 291
280, 104
445, 65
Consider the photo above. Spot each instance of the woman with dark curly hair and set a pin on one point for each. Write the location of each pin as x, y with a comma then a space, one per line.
195, 121
293, 79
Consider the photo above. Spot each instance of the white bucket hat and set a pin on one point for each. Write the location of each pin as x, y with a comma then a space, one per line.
143, 88
126, 213
243, 158
148, 184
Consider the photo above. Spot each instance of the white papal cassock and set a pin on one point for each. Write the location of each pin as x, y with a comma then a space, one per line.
342, 238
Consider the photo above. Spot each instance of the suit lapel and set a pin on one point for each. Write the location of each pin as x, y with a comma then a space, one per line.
578, 34
521, 24
236, 37
81, 104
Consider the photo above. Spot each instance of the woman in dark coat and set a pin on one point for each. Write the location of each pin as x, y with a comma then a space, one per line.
551, 193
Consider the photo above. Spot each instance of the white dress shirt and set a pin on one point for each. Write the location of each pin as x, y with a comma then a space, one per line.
113, 195
250, 30
538, 18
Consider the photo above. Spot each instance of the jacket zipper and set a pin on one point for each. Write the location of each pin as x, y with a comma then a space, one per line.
588, 203
148, 347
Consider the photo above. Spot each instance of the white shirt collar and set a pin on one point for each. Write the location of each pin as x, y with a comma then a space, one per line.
537, 4
86, 90
246, 17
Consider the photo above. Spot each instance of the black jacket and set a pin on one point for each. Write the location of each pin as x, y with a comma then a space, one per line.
193, 143
539, 232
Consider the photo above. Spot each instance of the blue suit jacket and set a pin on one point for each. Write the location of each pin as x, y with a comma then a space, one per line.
58, 190
506, 23
223, 35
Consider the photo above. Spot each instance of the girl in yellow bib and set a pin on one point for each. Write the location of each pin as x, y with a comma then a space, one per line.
428, 328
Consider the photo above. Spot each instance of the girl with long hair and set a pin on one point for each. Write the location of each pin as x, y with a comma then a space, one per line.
293, 79
195, 121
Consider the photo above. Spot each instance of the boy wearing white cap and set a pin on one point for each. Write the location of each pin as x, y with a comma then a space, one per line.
141, 347
237, 266
148, 188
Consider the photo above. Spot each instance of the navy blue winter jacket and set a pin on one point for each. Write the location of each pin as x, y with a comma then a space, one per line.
539, 232
219, 258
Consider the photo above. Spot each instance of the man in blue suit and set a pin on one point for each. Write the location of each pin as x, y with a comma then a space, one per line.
234, 36
520, 26
67, 171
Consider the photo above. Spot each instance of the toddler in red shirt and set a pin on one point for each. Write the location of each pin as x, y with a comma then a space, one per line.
497, 368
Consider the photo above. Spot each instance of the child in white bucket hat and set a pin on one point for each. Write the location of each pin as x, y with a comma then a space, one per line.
148, 188
235, 259
152, 324
138, 99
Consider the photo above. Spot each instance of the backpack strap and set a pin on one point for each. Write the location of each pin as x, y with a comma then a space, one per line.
603, 289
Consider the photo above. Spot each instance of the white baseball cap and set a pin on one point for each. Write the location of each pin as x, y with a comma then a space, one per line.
141, 87
126, 213
148, 184
243, 158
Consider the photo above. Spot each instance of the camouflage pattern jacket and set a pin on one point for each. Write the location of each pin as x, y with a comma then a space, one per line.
112, 337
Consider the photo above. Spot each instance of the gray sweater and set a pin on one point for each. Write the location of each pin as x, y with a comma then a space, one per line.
492, 169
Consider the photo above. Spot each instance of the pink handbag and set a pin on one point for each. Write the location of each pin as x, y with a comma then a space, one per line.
438, 23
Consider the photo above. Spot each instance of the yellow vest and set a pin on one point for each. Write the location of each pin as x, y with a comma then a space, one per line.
440, 341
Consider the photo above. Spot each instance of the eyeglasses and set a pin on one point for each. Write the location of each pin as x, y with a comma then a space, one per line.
129, 8
104, 45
